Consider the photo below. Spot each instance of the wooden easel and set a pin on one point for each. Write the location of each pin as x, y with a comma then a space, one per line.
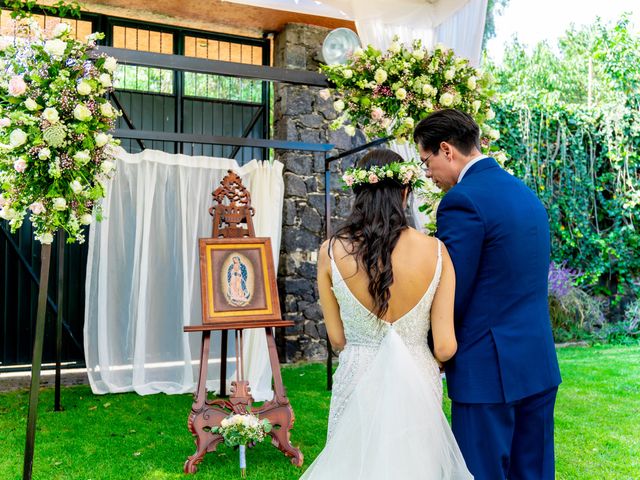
233, 208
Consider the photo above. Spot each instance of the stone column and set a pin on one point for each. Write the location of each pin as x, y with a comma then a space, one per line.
301, 115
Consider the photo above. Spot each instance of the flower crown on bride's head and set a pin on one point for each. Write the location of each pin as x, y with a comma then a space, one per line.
405, 173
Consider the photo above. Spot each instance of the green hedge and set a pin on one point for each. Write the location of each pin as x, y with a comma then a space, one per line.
584, 168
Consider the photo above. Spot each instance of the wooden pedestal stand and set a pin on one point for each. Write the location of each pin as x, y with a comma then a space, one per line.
233, 208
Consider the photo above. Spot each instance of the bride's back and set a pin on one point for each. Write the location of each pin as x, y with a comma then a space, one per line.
413, 263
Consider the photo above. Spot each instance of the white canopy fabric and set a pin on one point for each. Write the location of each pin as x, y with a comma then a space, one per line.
427, 13
143, 276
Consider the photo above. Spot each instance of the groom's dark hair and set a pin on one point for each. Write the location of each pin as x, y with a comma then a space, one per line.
374, 225
449, 125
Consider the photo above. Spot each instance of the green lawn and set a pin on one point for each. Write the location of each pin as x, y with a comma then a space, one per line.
126, 436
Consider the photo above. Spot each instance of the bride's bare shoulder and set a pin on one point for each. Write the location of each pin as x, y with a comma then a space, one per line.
418, 238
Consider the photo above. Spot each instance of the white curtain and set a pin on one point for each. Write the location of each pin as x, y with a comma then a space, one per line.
463, 31
378, 21
143, 280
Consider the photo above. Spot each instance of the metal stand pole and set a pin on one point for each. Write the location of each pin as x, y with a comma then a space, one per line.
61, 242
45, 256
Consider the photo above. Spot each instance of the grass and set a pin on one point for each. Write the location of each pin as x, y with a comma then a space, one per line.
127, 436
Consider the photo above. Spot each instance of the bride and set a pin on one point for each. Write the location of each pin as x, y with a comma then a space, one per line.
383, 286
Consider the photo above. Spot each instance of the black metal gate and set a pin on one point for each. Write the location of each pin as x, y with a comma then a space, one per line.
152, 99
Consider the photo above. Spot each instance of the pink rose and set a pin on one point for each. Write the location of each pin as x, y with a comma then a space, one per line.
348, 179
17, 86
20, 165
377, 113
37, 208
4, 122
373, 178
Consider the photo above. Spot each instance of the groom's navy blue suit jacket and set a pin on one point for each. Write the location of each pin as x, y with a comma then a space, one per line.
497, 234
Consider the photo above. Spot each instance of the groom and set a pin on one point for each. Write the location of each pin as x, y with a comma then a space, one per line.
504, 378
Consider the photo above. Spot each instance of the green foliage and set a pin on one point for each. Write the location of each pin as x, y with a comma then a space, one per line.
580, 153
25, 8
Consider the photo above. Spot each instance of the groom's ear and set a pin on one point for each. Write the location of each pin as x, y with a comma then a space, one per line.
446, 149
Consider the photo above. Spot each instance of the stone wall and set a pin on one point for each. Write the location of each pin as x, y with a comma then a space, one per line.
301, 115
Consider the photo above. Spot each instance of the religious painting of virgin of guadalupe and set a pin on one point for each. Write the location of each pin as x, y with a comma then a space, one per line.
238, 280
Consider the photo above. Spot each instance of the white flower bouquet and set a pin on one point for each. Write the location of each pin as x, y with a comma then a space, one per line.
240, 430
387, 93
55, 150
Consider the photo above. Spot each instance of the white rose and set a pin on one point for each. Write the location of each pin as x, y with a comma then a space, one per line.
401, 94
494, 134
86, 219
17, 138
44, 153
409, 122
51, 115
476, 105
76, 186
107, 166
440, 46
55, 48
84, 88
82, 157
491, 114
338, 105
31, 104
471, 83
450, 73
46, 238
446, 99
107, 110
105, 80
81, 112
224, 423
394, 47
61, 29
347, 74
380, 76
500, 157
59, 204
110, 64
8, 213
350, 130
102, 139
418, 54
358, 52
428, 90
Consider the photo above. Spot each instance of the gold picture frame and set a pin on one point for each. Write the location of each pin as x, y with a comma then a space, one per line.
238, 283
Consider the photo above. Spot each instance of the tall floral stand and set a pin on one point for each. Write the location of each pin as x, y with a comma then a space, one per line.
38, 344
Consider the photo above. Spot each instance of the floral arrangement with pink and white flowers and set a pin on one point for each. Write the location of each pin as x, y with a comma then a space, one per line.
55, 149
387, 93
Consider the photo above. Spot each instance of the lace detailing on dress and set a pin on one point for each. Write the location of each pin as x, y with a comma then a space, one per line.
365, 332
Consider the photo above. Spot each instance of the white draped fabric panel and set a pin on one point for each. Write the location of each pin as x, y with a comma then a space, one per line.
463, 31
143, 280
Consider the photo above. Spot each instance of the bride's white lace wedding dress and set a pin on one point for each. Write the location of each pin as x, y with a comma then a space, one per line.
386, 419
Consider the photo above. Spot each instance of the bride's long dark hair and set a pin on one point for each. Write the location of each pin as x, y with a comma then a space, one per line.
373, 227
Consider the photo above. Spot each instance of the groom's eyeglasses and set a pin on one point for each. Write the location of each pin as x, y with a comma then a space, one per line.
425, 161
